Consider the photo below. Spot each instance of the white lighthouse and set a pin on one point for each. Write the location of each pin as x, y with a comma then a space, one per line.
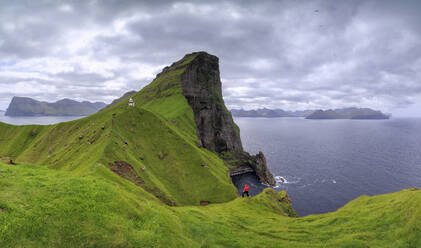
131, 102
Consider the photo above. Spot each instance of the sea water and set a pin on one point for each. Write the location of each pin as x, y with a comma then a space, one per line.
323, 164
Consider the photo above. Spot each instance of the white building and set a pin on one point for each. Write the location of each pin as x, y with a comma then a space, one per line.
131, 102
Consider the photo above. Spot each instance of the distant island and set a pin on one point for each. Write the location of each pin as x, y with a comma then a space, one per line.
348, 113
25, 106
343, 113
270, 113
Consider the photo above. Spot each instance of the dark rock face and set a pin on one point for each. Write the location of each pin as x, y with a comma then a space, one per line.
202, 87
216, 129
258, 163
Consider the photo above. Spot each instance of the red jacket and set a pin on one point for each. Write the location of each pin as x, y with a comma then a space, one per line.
246, 188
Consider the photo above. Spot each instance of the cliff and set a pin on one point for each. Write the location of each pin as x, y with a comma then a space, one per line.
201, 86
216, 130
25, 106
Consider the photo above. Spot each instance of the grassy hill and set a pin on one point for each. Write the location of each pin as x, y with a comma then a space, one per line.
156, 138
40, 207
136, 176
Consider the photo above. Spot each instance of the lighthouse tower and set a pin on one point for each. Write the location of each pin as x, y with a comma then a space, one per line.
131, 102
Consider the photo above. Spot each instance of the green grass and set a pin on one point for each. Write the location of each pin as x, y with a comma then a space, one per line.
46, 208
62, 192
40, 207
157, 137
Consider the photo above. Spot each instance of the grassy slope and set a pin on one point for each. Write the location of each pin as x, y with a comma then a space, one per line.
157, 137
82, 203
40, 207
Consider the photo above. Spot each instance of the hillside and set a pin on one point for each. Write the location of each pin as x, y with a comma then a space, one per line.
40, 207
25, 106
138, 177
156, 144
123, 97
348, 113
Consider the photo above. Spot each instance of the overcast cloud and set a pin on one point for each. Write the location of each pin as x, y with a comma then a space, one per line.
276, 54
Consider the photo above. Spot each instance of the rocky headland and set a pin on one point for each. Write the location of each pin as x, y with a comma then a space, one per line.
215, 128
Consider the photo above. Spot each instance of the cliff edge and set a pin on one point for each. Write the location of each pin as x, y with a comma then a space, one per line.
216, 130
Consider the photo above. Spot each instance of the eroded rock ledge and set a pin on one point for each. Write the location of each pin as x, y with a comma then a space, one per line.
216, 129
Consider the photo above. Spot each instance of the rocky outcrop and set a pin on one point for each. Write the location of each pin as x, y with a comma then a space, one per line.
216, 130
258, 164
201, 85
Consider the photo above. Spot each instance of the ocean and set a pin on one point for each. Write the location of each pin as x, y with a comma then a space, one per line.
327, 163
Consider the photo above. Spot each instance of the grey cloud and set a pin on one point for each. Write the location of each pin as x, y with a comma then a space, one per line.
289, 54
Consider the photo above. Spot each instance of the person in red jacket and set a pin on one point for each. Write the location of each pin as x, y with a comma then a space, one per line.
246, 191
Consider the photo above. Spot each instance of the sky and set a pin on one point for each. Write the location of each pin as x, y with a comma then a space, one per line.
292, 54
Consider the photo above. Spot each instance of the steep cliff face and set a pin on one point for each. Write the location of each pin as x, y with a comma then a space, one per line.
201, 85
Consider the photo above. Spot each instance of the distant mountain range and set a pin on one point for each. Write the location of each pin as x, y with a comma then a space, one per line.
349, 113
270, 113
25, 106
344, 113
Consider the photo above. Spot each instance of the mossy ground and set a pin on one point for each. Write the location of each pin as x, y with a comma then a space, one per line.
41, 207
157, 137
62, 193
